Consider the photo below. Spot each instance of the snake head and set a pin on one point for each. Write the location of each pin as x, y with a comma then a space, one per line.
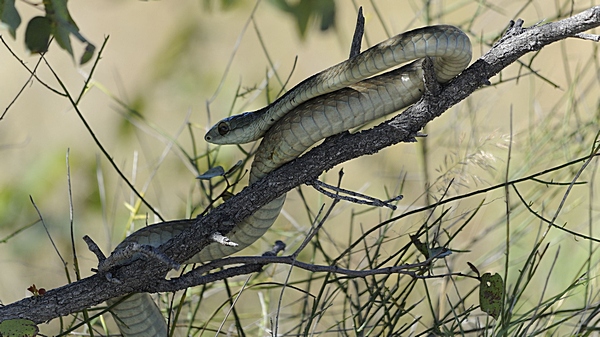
238, 129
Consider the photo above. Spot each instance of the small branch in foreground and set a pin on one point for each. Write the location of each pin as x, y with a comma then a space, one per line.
371, 201
315, 228
254, 263
93, 247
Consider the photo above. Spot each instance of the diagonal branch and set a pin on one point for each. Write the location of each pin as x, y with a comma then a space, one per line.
143, 275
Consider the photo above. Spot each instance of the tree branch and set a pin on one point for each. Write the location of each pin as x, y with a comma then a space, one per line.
148, 274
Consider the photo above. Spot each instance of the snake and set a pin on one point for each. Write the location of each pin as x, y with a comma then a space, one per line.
340, 98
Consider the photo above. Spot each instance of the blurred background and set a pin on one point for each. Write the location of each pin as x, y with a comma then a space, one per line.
171, 69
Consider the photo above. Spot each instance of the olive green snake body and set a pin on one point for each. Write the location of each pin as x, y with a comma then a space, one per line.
335, 100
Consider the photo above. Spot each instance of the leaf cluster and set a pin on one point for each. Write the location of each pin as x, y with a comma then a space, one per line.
57, 23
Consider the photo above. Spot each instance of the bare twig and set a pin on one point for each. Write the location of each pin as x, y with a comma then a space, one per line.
94, 137
359, 31
321, 187
93, 247
145, 275
253, 263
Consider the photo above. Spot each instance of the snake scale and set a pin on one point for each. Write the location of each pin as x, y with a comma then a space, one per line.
337, 99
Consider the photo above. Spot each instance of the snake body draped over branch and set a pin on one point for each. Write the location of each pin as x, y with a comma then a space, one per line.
337, 99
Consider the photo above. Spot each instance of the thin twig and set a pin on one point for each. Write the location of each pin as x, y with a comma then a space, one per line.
472, 194
32, 75
315, 228
95, 138
197, 277
549, 222
48, 233
31, 72
71, 223
589, 37
359, 31
371, 201
93, 247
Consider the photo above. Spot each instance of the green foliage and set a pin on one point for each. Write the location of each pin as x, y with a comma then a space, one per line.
9, 16
57, 23
18, 328
62, 23
305, 10
491, 291
37, 34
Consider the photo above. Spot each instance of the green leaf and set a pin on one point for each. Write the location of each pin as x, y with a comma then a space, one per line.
491, 291
63, 27
62, 23
327, 12
18, 328
9, 16
37, 34
58, 11
421, 247
87, 54
61, 35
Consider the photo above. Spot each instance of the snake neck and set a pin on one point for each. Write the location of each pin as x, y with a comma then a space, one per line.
448, 44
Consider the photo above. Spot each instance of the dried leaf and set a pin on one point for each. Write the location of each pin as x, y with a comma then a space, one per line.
18, 328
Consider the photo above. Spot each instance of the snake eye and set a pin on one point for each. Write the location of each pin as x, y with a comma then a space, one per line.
223, 128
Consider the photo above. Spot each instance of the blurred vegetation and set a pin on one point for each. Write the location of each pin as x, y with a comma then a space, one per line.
58, 24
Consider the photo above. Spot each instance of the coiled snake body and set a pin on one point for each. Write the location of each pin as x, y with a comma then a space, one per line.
335, 100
